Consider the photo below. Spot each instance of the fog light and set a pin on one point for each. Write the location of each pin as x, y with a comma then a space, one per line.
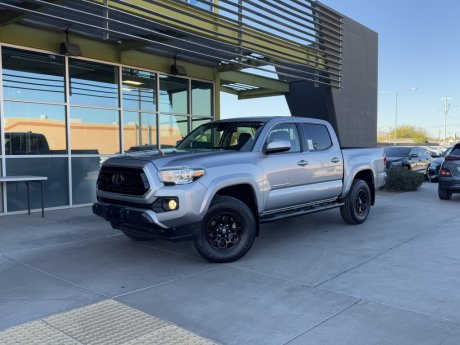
170, 204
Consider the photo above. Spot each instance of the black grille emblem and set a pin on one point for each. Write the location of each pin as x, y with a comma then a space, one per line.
118, 179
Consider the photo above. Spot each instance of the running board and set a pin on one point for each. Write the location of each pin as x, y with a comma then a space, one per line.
298, 212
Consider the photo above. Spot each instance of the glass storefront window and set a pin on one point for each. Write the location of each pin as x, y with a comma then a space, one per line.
202, 95
94, 131
173, 95
34, 129
33, 76
55, 190
35, 119
139, 90
139, 130
196, 122
172, 129
85, 171
1, 187
93, 84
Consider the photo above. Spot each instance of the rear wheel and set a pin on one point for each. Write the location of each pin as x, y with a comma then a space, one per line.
227, 231
357, 203
444, 194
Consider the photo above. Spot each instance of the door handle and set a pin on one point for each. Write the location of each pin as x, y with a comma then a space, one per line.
302, 163
335, 160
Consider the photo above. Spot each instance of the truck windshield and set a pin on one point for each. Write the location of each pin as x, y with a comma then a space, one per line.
237, 136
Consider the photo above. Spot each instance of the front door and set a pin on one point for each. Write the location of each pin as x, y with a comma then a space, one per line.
285, 173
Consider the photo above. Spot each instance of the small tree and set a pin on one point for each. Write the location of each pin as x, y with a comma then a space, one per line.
410, 132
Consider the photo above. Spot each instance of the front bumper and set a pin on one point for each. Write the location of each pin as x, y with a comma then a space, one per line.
143, 222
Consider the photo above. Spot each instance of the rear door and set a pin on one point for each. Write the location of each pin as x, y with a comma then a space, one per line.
325, 162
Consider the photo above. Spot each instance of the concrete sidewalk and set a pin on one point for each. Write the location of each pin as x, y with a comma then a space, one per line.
308, 280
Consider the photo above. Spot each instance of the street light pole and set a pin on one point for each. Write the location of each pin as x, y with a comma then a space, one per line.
396, 93
446, 110
396, 116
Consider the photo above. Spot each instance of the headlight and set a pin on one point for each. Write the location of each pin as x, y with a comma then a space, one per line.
180, 176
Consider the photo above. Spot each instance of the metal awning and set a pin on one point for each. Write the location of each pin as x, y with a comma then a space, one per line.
300, 39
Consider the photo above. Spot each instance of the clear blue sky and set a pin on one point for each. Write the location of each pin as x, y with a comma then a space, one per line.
419, 46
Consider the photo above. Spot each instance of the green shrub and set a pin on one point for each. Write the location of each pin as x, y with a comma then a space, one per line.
399, 179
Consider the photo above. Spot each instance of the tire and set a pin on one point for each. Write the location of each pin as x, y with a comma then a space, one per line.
227, 231
444, 194
357, 203
135, 237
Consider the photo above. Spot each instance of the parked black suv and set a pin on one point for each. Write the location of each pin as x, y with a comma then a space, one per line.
449, 174
410, 157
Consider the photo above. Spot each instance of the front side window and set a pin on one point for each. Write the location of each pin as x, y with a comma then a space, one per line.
287, 132
317, 137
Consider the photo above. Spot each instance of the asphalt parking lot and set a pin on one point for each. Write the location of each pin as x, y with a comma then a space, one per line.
308, 280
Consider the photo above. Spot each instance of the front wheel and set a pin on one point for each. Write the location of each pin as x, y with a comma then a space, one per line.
357, 203
227, 231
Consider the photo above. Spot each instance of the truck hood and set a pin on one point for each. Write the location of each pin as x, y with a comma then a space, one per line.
179, 158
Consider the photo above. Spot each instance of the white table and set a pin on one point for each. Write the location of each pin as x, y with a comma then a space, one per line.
27, 179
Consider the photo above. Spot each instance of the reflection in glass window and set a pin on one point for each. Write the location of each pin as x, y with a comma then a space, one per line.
94, 131
202, 98
172, 129
139, 90
34, 129
55, 190
33, 76
93, 83
196, 122
139, 130
173, 95
84, 176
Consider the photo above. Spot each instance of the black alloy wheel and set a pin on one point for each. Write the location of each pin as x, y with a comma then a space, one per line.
362, 203
357, 203
224, 230
227, 231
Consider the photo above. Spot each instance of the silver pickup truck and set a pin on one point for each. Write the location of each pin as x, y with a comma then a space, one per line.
227, 177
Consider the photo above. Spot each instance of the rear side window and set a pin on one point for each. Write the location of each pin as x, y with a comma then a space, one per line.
317, 137
455, 151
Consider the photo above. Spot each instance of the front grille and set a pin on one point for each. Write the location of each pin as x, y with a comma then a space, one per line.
121, 180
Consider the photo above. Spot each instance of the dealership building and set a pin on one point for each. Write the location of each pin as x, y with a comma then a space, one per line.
83, 80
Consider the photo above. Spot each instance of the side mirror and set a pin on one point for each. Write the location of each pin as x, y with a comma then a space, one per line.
278, 146
413, 155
